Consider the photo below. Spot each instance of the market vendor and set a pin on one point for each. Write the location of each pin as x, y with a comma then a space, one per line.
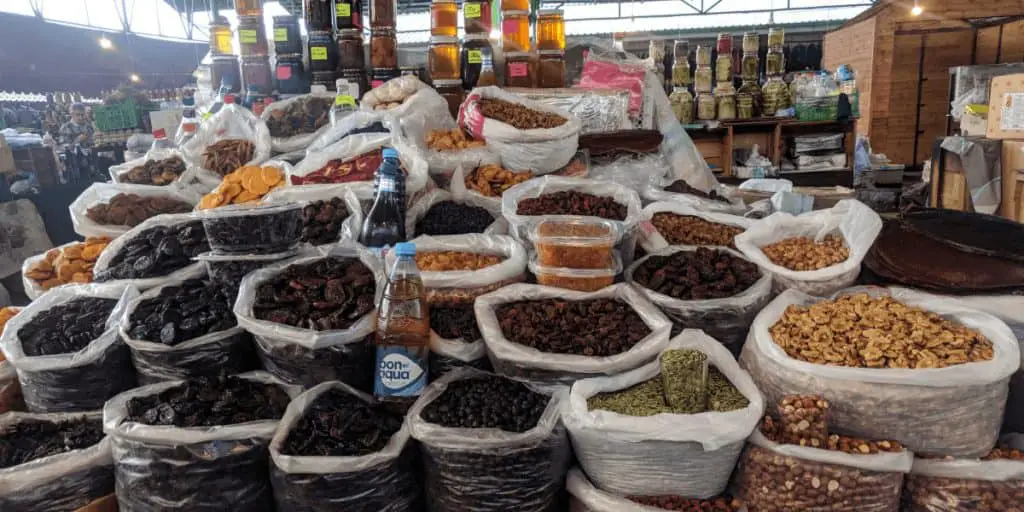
78, 129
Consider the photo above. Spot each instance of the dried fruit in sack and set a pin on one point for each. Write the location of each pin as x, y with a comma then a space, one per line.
487, 402
682, 187
339, 424
723, 503
440, 261
6, 314
360, 168
572, 203
457, 322
183, 312
331, 293
803, 421
245, 185
207, 402
690, 230
926, 493
696, 275
351, 363
597, 327
256, 229
452, 218
224, 156
132, 209
305, 115
517, 115
66, 328
492, 180
155, 172
321, 221
28, 440
71, 264
451, 140
157, 251
876, 332
802, 253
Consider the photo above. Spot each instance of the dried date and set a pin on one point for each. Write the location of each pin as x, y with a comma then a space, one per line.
206, 402
339, 424
156, 252
572, 203
321, 221
66, 328
331, 293
598, 327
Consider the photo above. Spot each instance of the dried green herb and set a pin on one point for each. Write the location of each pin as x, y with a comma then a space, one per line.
684, 374
644, 399
722, 395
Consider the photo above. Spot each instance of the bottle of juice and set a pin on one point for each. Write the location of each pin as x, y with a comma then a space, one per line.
385, 222
403, 330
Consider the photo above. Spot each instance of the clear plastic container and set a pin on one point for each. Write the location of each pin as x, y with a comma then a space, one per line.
253, 228
583, 280
583, 243
228, 269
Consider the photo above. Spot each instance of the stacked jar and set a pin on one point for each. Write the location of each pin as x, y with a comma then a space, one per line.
323, 54
749, 94
702, 80
224, 68
347, 16
257, 75
520, 61
289, 70
681, 99
725, 91
550, 48
577, 254
383, 42
775, 91
443, 54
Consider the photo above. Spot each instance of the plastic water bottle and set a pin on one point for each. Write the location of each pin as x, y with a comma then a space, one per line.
189, 121
403, 330
385, 222
160, 140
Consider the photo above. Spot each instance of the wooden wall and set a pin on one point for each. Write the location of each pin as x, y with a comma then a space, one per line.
854, 45
1000, 44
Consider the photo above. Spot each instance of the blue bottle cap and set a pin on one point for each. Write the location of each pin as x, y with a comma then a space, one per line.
389, 153
405, 248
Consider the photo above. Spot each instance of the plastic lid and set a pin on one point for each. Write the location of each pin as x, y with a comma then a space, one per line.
405, 248
517, 55
389, 153
447, 82
444, 40
614, 268
476, 37
575, 231
548, 12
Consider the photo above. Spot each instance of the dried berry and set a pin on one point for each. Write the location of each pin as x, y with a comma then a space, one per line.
696, 275
321, 221
517, 115
206, 402
487, 402
572, 203
66, 328
454, 323
304, 115
31, 439
682, 187
331, 293
451, 218
155, 172
183, 312
157, 251
339, 424
598, 327
260, 229
132, 209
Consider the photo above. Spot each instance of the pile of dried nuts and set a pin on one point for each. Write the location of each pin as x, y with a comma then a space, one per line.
517, 115
803, 421
689, 230
223, 157
441, 261
245, 185
492, 180
155, 172
304, 115
571, 202
452, 140
802, 253
131, 209
72, 264
723, 503
925, 493
876, 332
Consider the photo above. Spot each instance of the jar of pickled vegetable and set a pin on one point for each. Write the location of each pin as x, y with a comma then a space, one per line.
751, 89
476, 17
725, 101
682, 104
702, 79
776, 37
775, 95
383, 14
291, 77
706, 106
550, 29
348, 14
444, 18
350, 49
252, 37
323, 52
249, 7
443, 58
477, 62
515, 31
383, 48
744, 105
750, 67
723, 68
680, 74
515, 5
681, 52
703, 56
451, 91
319, 15
551, 69
221, 40
774, 63
520, 70
751, 42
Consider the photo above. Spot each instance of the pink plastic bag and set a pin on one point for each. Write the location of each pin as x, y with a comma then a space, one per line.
600, 74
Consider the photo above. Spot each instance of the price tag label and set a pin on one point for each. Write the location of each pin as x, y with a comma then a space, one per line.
284, 72
517, 69
471, 10
376, 83
247, 36
318, 53
474, 57
345, 100
343, 10
224, 43
280, 35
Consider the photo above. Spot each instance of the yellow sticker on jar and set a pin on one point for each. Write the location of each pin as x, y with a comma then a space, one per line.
474, 57
345, 100
247, 36
280, 35
318, 53
224, 43
343, 10
471, 10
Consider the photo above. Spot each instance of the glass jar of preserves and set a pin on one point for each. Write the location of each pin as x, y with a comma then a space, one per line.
327, 79
723, 68
750, 88
358, 77
550, 29
350, 49
515, 5
774, 63
451, 91
290, 74
724, 43
515, 31
348, 14
744, 105
751, 42
443, 58
680, 74
383, 48
551, 69
774, 95
379, 76
249, 7
703, 56
682, 104
224, 72
681, 52
476, 17
750, 67
776, 38
287, 38
520, 70
444, 18
221, 40
702, 79
256, 74
252, 37
706, 106
477, 62
323, 52
319, 15
383, 14
725, 102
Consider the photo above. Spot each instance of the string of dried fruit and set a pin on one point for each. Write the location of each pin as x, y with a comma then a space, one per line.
155, 172
246, 185
492, 180
72, 264
223, 157
132, 209
517, 115
451, 140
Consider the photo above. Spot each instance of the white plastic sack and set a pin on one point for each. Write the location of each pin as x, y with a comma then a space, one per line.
295, 142
383, 481
10, 389
189, 271
416, 98
857, 224
693, 211
194, 181
61, 482
419, 209
585, 497
352, 124
726, 319
634, 171
442, 164
948, 411
688, 455
936, 485
76, 381
541, 150
448, 354
462, 286
33, 289
102, 193
655, 191
457, 186
233, 121
515, 360
350, 227
355, 145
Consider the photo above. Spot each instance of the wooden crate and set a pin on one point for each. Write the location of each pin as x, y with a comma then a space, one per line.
949, 184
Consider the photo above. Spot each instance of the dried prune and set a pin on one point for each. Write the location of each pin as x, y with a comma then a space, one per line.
206, 402
572, 203
132, 209
597, 327
340, 424
156, 252
29, 439
695, 275
487, 402
330, 293
68, 327
180, 313
321, 221
452, 218
259, 229
228, 270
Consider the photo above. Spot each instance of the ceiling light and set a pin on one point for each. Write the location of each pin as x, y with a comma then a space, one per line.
916, 10
135, 77
105, 43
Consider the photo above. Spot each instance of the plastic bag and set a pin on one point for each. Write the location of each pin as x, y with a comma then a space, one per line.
194, 469
423, 205
355, 145
666, 454
442, 164
76, 381
959, 485
634, 171
384, 481
856, 223
688, 210
416, 98
448, 354
352, 124
821, 479
541, 150
232, 121
227, 352
726, 319
945, 411
588, 498
350, 227
655, 191
491, 470
514, 360
194, 181
33, 289
295, 142
190, 271
62, 482
463, 286
102, 193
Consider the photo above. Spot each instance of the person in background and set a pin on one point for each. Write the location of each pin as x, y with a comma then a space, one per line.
78, 129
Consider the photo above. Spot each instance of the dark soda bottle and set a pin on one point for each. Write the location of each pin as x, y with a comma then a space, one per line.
385, 222
403, 331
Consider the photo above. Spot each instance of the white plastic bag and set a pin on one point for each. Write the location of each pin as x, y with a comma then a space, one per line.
383, 481
442, 164
463, 286
32, 288
937, 485
102, 193
194, 181
350, 227
416, 98
688, 455
448, 354
541, 150
423, 205
634, 171
231, 122
301, 141
688, 210
352, 147
352, 124
489, 469
60, 482
655, 191
76, 381
10, 389
585, 497
112, 250
853, 220
726, 319
954, 411
515, 360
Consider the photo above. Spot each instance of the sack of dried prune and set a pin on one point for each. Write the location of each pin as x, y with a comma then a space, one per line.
351, 362
438, 212
491, 444
339, 449
185, 329
159, 249
197, 445
66, 350
111, 209
54, 462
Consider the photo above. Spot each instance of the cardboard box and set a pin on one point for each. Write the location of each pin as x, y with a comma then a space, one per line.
1006, 108
1012, 174
973, 124
6, 157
